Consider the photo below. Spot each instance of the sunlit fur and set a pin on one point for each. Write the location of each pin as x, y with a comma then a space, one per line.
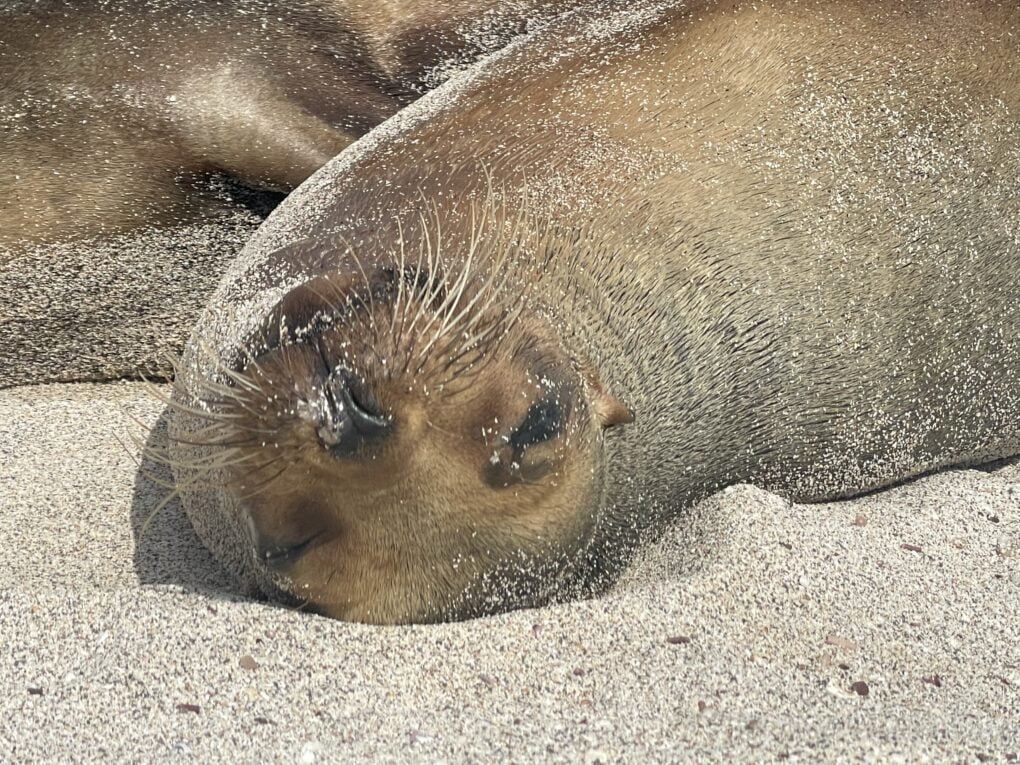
782, 232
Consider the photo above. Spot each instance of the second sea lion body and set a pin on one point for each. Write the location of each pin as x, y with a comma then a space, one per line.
109, 110
144, 140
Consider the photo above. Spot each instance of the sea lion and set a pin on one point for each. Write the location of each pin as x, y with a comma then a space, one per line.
781, 235
145, 140
112, 111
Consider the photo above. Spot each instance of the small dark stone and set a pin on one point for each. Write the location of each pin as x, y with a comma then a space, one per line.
982, 757
578, 671
860, 688
189, 708
787, 545
35, 691
860, 520
933, 680
414, 736
910, 547
248, 662
262, 721
993, 518
702, 706
678, 640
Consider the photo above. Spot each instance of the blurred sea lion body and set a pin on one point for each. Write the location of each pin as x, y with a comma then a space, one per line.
144, 140
111, 110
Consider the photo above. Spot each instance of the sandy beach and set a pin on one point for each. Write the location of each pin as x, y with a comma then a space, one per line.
881, 629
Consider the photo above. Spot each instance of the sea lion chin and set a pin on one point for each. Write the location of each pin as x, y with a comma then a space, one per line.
404, 452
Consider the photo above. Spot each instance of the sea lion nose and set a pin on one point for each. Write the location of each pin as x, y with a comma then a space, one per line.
346, 420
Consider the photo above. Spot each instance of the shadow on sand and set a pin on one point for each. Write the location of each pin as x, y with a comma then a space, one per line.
167, 550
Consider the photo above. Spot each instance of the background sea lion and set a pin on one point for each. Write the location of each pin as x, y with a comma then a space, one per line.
147, 95
135, 132
782, 233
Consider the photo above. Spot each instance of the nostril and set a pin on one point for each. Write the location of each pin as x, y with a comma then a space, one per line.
346, 417
367, 417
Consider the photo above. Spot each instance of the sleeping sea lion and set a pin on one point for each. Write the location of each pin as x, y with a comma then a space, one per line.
780, 235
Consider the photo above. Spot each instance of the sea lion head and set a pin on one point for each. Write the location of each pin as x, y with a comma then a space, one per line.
408, 446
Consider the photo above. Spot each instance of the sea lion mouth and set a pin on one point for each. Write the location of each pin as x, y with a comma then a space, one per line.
278, 553
346, 418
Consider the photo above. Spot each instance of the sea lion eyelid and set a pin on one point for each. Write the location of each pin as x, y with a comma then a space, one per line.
543, 421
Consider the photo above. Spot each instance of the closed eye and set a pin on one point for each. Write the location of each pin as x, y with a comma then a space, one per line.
543, 421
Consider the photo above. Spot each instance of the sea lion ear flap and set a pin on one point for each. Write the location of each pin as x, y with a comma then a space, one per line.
608, 409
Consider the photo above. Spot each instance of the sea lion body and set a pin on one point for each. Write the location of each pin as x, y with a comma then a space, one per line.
145, 140
783, 234
112, 111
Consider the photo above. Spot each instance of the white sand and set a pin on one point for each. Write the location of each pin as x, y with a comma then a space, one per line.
108, 636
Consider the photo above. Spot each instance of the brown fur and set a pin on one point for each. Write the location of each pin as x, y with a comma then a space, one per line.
111, 112
782, 232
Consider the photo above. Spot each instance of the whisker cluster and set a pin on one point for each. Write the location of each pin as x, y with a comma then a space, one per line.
434, 314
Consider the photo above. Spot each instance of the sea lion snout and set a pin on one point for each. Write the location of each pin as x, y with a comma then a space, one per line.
406, 447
